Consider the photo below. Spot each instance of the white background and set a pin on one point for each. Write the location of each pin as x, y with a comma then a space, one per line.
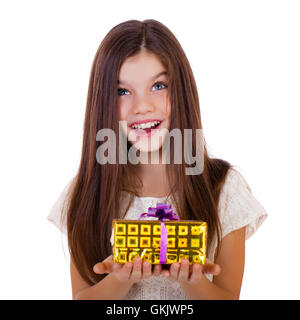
245, 58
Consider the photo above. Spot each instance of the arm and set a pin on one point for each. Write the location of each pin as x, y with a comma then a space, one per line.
228, 284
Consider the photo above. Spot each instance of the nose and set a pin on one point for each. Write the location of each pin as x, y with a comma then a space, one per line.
142, 104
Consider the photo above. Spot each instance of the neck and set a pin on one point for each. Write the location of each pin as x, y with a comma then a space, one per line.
154, 177
151, 164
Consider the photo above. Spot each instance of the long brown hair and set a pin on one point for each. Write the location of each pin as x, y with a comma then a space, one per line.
94, 199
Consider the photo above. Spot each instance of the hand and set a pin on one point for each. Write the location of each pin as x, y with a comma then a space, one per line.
131, 271
184, 273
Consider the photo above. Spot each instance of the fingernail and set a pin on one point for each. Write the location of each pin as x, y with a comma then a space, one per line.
184, 261
95, 269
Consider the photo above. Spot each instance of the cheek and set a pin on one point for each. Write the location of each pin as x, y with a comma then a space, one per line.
123, 111
168, 110
167, 105
164, 104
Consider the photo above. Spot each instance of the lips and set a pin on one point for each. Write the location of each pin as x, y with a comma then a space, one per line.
143, 121
146, 132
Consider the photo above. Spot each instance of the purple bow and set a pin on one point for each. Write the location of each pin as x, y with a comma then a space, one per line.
162, 212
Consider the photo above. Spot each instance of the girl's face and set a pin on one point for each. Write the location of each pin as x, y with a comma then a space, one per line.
144, 101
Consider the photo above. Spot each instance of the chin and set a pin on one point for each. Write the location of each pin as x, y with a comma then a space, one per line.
147, 145
147, 149
150, 143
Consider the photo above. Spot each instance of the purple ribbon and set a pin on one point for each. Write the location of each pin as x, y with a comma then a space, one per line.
162, 212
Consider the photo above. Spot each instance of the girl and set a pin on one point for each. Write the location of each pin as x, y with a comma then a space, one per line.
140, 74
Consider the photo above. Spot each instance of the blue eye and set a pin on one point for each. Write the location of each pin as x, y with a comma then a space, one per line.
159, 85
122, 92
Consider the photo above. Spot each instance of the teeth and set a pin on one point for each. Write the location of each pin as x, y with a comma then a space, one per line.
145, 125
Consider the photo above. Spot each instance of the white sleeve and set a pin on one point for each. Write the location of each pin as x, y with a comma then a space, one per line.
58, 212
238, 207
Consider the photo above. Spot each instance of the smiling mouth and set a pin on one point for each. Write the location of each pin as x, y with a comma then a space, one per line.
145, 127
146, 131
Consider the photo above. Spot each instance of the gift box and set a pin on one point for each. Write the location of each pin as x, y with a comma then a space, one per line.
160, 241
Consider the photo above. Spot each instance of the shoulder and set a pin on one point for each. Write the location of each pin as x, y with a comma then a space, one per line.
238, 207
58, 211
235, 187
235, 178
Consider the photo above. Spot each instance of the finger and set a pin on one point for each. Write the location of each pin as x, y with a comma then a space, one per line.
123, 272
117, 267
183, 271
137, 270
146, 272
196, 273
108, 262
165, 273
157, 270
174, 270
105, 266
99, 268
211, 268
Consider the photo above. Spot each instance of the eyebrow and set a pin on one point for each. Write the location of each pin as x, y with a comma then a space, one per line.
152, 78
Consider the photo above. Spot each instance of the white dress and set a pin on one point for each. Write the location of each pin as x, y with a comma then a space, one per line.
237, 208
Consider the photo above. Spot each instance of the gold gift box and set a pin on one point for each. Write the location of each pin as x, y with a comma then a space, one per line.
186, 239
